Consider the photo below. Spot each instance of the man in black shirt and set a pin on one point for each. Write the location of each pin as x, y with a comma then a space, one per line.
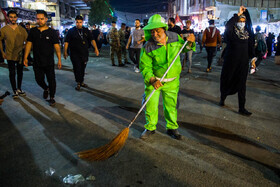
44, 41
172, 27
185, 34
78, 39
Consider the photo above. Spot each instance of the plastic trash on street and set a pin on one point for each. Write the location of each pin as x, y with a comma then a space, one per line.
50, 171
73, 179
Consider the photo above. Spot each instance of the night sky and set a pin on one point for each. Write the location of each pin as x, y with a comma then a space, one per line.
139, 6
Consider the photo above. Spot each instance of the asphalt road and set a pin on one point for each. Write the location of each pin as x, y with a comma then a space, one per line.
219, 146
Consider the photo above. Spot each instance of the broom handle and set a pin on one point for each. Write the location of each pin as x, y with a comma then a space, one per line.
147, 100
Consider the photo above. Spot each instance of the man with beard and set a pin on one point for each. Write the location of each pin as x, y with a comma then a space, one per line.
15, 38
135, 43
79, 39
44, 40
156, 56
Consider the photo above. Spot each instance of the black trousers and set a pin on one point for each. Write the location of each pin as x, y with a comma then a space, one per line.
79, 66
48, 71
241, 97
13, 65
134, 55
211, 52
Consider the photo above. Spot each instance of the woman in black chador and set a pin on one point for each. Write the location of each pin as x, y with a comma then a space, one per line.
239, 37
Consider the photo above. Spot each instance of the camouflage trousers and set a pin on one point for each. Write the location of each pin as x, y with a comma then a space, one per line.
123, 51
117, 50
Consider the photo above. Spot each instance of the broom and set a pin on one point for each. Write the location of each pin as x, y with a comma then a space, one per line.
113, 147
4, 95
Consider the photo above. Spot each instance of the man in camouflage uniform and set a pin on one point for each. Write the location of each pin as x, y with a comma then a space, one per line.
115, 47
123, 42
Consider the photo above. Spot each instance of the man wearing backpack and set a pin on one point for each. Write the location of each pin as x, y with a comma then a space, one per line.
260, 45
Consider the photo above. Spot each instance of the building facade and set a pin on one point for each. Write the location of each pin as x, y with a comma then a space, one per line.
265, 13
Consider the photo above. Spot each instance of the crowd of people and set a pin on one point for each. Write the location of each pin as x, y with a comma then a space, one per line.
151, 49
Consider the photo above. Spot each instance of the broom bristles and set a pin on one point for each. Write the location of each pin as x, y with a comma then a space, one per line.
106, 151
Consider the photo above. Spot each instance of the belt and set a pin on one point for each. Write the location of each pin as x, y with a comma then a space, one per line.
166, 80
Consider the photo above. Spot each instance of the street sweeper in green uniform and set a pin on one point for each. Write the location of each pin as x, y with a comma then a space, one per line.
157, 54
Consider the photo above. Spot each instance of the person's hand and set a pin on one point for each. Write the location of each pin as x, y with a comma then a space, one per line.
4, 55
25, 62
65, 55
155, 83
1, 101
241, 10
127, 47
59, 64
96, 52
139, 42
191, 38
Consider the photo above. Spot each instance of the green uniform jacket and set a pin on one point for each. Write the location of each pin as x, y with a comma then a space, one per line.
156, 58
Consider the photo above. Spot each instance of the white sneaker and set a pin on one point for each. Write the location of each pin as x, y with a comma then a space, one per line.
136, 70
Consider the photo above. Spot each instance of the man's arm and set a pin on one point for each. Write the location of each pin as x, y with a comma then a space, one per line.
1, 47
58, 54
26, 53
65, 54
203, 37
141, 41
93, 43
129, 41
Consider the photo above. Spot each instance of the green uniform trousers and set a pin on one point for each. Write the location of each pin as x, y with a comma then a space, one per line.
117, 50
169, 92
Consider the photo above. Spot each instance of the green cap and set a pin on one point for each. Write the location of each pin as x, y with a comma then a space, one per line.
155, 21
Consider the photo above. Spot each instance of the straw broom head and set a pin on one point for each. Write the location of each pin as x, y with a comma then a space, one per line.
106, 151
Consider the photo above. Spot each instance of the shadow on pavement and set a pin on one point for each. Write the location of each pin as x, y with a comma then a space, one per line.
71, 131
239, 146
18, 167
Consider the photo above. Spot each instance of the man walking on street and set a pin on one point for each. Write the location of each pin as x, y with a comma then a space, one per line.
15, 38
156, 56
44, 40
135, 43
115, 46
123, 42
78, 39
211, 38
172, 27
185, 34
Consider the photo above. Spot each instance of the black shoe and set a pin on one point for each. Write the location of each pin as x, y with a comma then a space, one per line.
222, 103
174, 133
244, 112
21, 93
113, 64
146, 134
127, 62
52, 102
46, 94
78, 87
84, 85
15, 95
121, 65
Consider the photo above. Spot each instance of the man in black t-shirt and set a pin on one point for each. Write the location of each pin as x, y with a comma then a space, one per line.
44, 41
185, 34
172, 27
79, 39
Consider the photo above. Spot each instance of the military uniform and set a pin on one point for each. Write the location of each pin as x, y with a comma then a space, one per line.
114, 39
123, 44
